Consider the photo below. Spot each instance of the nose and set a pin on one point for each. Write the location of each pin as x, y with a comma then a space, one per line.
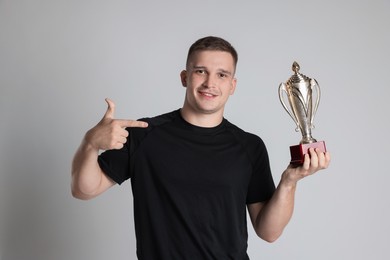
210, 81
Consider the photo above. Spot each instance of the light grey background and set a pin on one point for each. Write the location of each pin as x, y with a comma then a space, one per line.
60, 59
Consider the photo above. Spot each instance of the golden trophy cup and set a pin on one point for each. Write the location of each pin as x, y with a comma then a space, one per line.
299, 90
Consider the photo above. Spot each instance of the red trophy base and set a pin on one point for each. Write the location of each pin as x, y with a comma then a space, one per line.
298, 151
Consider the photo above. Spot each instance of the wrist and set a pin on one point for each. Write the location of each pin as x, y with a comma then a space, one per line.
287, 181
87, 143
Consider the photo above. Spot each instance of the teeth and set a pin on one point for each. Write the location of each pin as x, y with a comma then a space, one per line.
207, 94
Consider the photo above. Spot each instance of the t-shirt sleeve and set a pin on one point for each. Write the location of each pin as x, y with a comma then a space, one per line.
115, 163
261, 186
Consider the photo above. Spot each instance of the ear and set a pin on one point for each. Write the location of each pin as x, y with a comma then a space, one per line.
233, 87
183, 77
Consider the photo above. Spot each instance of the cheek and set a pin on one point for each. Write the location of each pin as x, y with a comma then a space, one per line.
229, 89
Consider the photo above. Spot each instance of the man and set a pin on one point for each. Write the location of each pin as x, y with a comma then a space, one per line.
193, 173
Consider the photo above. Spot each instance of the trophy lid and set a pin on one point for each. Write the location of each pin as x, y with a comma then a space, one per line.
297, 77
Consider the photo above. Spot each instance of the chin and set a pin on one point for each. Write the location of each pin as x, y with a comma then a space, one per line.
210, 111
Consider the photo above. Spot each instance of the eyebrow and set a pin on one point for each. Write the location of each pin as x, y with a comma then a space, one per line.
219, 70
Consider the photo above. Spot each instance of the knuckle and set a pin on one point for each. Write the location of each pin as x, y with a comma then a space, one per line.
112, 144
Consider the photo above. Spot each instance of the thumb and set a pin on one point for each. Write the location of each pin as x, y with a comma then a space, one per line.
110, 109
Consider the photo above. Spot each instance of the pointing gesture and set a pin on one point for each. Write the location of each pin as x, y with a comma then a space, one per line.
110, 133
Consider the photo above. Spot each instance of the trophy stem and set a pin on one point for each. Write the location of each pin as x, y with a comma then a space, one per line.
307, 139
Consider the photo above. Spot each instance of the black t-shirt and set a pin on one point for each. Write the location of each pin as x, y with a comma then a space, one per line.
190, 186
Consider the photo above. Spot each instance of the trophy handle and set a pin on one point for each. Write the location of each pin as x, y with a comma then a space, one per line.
314, 84
283, 88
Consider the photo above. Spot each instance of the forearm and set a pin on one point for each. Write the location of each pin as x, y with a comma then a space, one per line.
271, 219
86, 173
277, 213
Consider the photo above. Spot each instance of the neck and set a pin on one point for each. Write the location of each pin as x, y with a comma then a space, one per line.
201, 119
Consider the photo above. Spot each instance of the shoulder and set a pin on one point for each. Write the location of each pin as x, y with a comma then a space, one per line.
243, 136
161, 119
153, 123
251, 143
138, 135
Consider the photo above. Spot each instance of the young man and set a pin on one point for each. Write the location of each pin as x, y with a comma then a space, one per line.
193, 173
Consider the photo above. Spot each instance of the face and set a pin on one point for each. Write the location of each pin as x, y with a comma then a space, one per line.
210, 81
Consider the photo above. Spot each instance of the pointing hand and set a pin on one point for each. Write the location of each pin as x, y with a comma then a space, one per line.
111, 133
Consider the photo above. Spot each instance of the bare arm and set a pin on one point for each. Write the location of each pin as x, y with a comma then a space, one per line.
88, 180
269, 219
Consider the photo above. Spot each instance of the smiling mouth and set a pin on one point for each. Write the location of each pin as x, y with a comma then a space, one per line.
207, 94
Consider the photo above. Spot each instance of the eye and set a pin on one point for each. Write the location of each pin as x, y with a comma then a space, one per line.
222, 75
200, 71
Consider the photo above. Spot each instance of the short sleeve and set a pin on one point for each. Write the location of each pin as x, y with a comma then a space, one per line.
261, 186
115, 164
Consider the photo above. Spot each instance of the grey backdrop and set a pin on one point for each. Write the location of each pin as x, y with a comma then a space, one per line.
60, 59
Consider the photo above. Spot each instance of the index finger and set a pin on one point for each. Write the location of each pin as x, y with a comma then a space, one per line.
131, 123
